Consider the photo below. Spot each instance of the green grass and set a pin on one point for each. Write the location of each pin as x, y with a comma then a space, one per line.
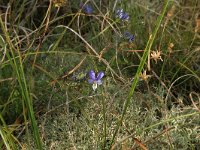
47, 51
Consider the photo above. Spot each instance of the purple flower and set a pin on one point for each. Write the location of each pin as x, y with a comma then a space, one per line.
95, 80
122, 15
129, 36
87, 8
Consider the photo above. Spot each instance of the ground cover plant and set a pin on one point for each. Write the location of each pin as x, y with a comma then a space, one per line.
99, 74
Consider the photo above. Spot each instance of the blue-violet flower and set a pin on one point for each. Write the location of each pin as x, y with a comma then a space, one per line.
95, 81
87, 8
129, 36
122, 15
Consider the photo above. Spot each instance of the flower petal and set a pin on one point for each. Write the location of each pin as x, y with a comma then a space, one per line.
127, 34
122, 15
92, 75
99, 82
87, 9
94, 86
125, 16
90, 81
119, 11
131, 38
100, 75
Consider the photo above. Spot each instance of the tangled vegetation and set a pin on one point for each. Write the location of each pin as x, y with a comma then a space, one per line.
99, 74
